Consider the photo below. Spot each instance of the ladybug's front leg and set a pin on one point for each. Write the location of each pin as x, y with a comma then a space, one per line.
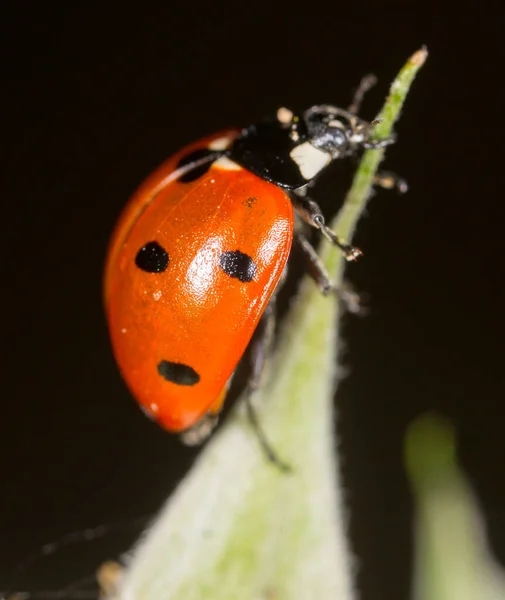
310, 212
316, 269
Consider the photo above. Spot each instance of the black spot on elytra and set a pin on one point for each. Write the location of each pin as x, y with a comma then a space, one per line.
239, 265
178, 373
152, 258
196, 172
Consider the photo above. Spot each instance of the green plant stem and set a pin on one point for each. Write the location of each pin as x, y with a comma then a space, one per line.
359, 194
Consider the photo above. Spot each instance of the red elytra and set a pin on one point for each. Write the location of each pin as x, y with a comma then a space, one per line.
200, 249
227, 236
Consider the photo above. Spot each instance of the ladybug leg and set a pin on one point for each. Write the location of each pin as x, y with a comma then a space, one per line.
109, 576
379, 144
316, 269
367, 82
310, 212
314, 265
260, 349
390, 181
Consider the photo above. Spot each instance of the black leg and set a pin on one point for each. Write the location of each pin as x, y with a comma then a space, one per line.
313, 264
367, 82
387, 180
316, 269
390, 181
379, 144
310, 212
261, 346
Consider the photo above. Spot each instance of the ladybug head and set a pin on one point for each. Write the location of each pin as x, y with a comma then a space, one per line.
339, 132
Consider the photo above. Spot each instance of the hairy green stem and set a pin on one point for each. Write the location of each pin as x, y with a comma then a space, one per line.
359, 194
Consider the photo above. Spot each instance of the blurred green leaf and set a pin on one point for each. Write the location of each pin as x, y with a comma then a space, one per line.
453, 560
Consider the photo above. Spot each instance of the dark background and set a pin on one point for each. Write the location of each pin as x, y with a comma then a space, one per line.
92, 101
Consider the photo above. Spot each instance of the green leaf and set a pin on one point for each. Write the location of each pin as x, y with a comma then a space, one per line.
453, 560
237, 527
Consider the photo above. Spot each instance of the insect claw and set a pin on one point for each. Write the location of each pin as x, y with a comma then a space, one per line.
351, 253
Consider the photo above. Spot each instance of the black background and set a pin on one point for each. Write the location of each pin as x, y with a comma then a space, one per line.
93, 99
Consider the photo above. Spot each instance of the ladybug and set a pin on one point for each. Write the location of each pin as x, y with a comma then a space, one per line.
199, 250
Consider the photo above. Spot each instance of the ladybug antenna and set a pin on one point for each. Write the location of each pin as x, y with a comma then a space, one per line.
366, 83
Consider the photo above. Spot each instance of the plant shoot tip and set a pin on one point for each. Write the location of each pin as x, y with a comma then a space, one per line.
419, 57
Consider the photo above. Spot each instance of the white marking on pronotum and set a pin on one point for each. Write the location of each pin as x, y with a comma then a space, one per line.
220, 143
226, 164
309, 159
